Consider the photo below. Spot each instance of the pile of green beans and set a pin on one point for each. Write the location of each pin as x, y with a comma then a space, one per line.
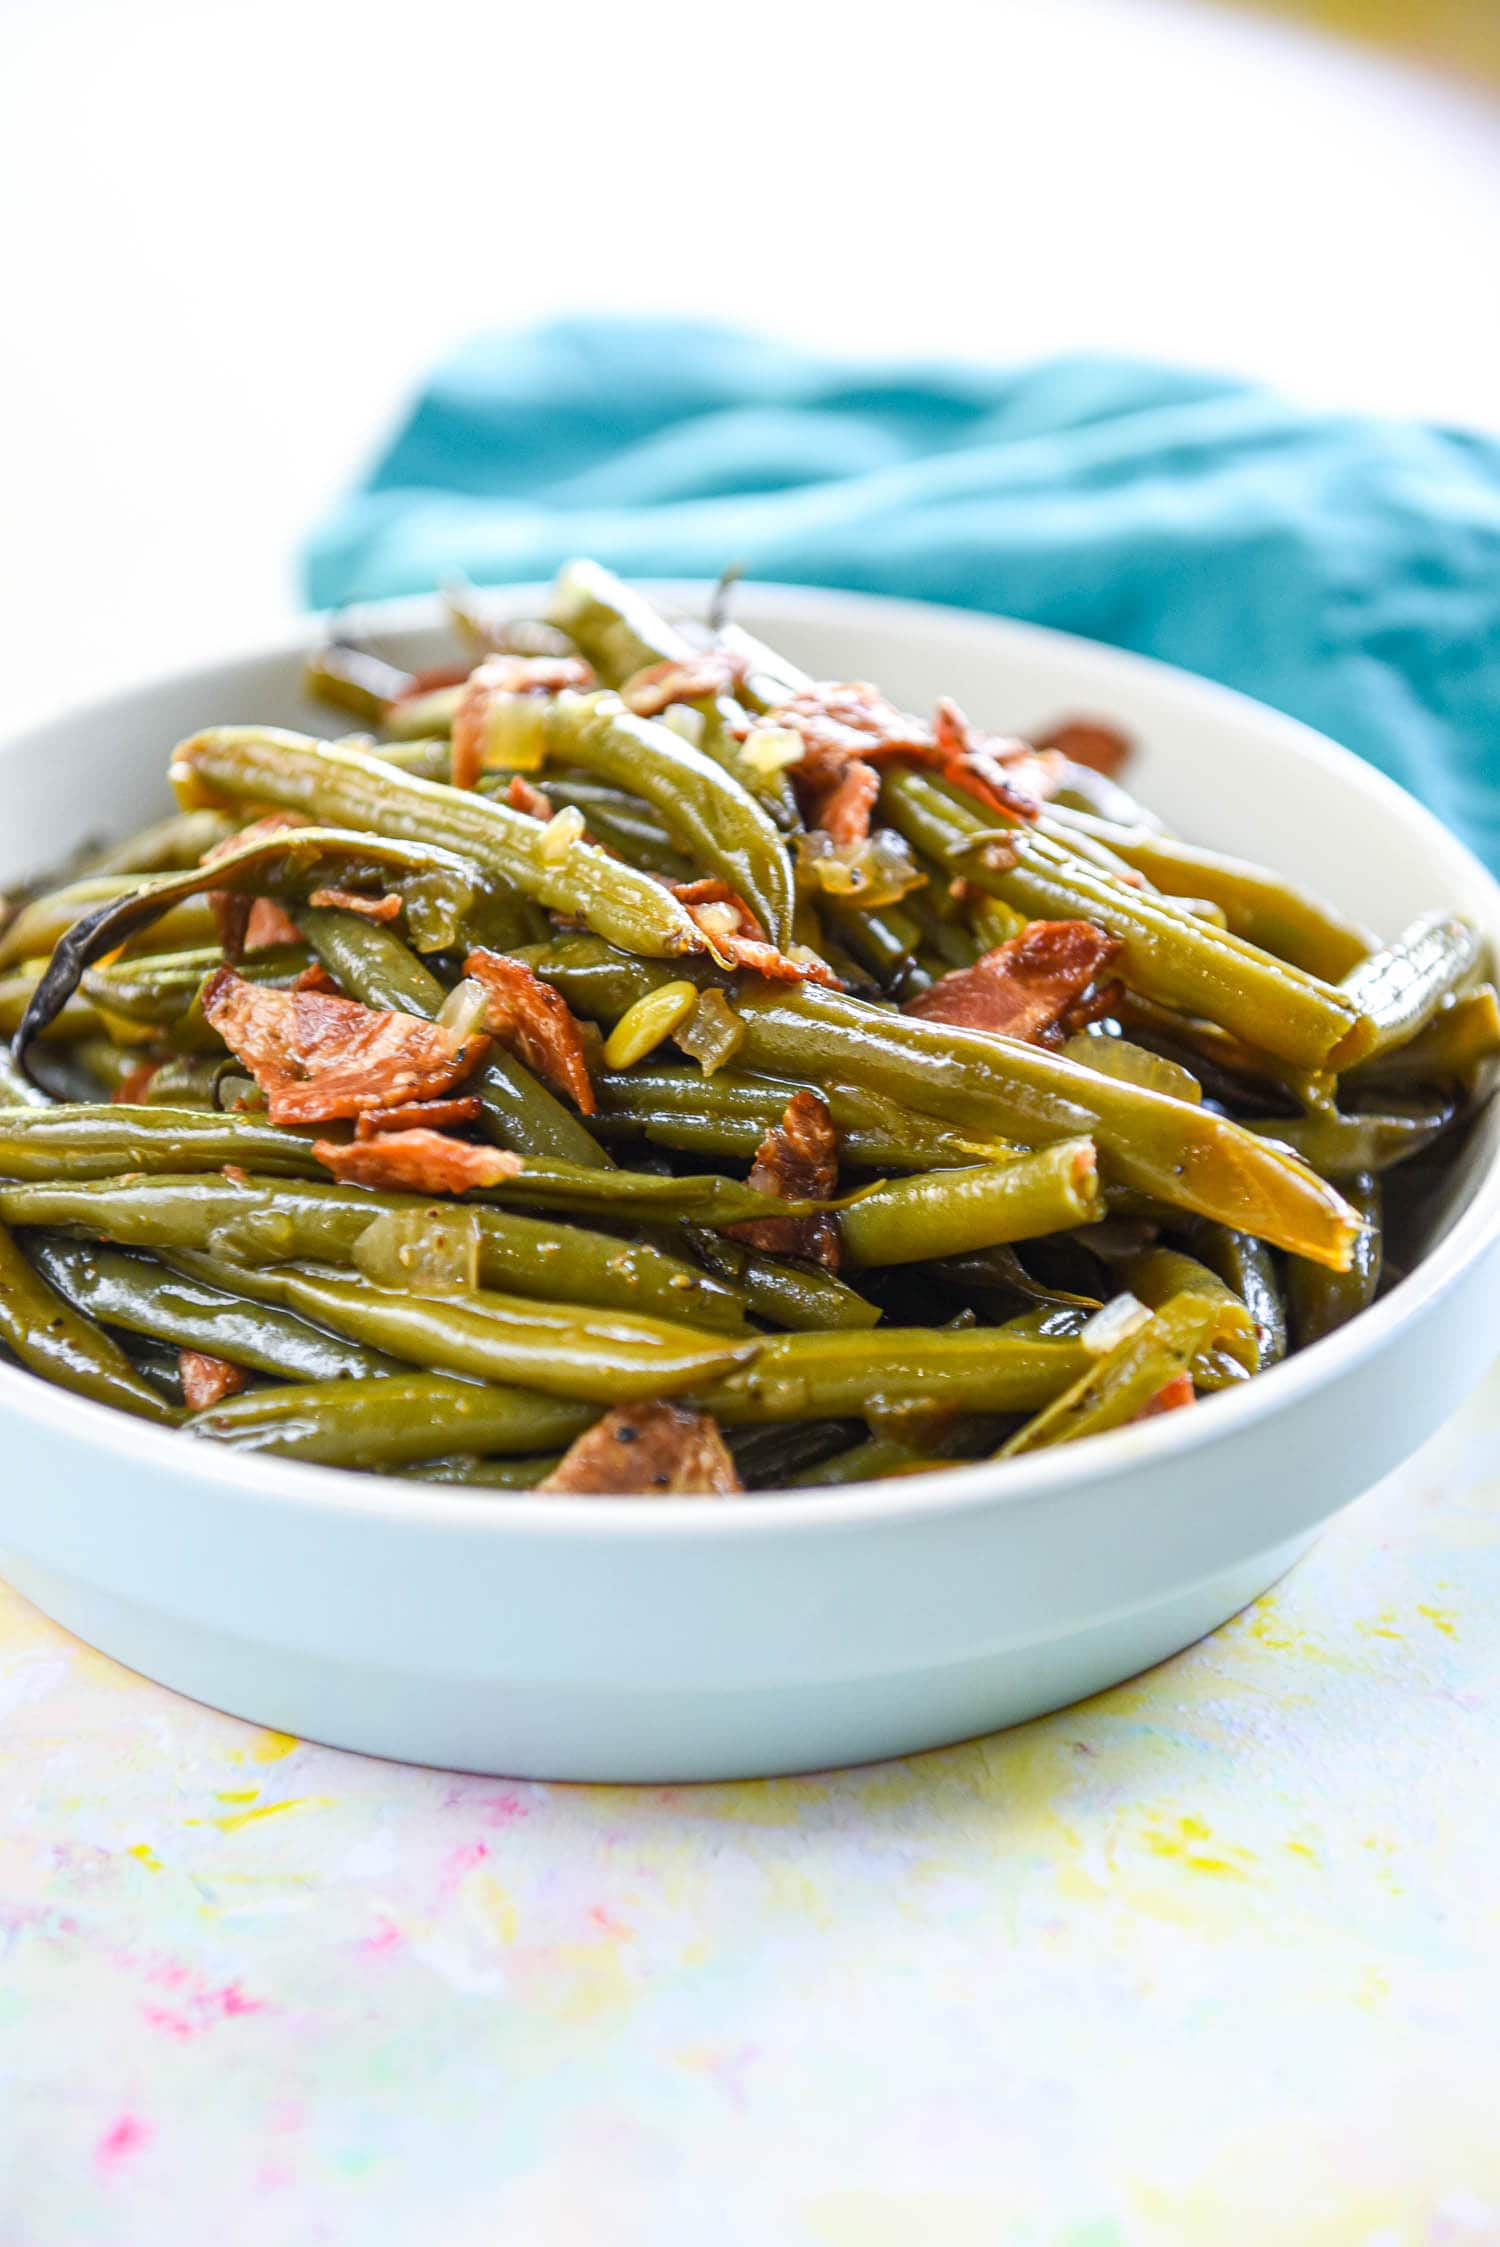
1017, 1242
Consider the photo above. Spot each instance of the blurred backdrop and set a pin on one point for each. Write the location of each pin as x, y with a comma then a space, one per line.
235, 236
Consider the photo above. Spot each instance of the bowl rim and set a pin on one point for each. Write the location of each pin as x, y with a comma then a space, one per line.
961, 1488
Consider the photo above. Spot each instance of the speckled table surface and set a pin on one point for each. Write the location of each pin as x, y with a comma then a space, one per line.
1213, 1957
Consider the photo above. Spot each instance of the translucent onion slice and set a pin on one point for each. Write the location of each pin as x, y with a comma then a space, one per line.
421, 1251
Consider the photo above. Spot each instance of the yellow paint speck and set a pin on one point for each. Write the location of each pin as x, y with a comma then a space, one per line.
270, 1747
1181, 1842
145, 1855
242, 1818
1441, 1619
237, 1794
494, 1904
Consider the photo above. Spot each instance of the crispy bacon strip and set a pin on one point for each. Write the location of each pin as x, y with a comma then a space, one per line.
688, 679
736, 935
207, 1380
1090, 741
522, 796
842, 719
797, 1161
1024, 986
249, 924
387, 908
843, 811
648, 1451
417, 1161
316, 1057
1170, 1397
534, 1022
491, 681
316, 978
416, 1115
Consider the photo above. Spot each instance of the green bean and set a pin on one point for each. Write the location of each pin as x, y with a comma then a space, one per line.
1401, 988
1248, 1266
704, 809
159, 989
1116, 1388
783, 1292
392, 1423
729, 1114
1321, 1301
424, 714
76, 1143
18, 995
184, 839
282, 1220
17, 1089
1166, 953
831, 1376
1259, 905
1137, 1064
623, 827
869, 1461
466, 1470
51, 1339
248, 764
1460, 1038
38, 926
948, 1212
1158, 1275
191, 1081
1192, 1158
769, 1456
883, 941
177, 1307
563, 1351
1345, 1146
373, 965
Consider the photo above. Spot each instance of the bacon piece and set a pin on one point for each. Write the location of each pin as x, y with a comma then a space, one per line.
682, 679
415, 1115
387, 908
417, 1161
534, 1022
236, 1173
1090, 741
842, 719
495, 678
1170, 1397
132, 1089
732, 930
316, 978
648, 1451
797, 1161
432, 681
207, 1380
522, 796
249, 924
316, 1057
1024, 985
843, 811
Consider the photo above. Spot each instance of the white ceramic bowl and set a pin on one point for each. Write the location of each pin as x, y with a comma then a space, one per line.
652, 1639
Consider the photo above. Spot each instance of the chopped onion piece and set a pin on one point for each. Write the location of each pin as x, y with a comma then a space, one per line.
1118, 1320
770, 749
515, 733
465, 1008
681, 718
421, 1251
878, 871
561, 832
713, 1033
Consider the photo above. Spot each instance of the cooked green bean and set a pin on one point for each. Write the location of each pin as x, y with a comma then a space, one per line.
191, 1314
1400, 989
1118, 1387
38, 926
392, 1423
574, 1351
1345, 1146
1259, 905
281, 1220
1319, 1300
1188, 1156
1462, 1036
782, 1291
823, 1376
374, 966
466, 1470
57, 1342
251, 765
75, 1143
184, 839
1249, 1267
948, 1212
868, 1461
730, 1113
16, 1088
1160, 1274
705, 810
1166, 953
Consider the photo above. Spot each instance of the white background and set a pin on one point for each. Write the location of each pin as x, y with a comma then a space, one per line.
232, 237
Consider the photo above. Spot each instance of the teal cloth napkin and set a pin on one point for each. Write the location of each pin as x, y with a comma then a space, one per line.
1342, 568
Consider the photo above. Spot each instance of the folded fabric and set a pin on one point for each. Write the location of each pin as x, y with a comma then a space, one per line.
1342, 568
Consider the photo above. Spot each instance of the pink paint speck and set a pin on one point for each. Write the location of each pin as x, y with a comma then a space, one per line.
612, 1926
386, 1937
202, 2009
460, 1862
121, 2139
